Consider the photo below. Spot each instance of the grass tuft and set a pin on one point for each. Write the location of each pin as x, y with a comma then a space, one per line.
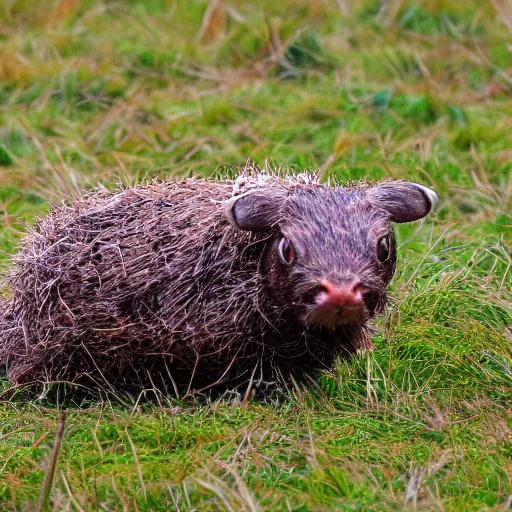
6, 159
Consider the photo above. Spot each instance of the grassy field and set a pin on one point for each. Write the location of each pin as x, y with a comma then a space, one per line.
115, 91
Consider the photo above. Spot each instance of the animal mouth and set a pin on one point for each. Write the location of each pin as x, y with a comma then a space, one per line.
334, 316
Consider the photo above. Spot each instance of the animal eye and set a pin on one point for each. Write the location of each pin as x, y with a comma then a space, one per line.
383, 248
286, 251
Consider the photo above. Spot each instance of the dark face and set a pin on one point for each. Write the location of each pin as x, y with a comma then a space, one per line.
332, 253
332, 258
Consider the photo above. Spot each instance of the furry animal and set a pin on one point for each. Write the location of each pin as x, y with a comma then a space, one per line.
198, 284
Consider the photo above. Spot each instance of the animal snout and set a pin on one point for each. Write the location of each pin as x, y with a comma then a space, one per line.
341, 295
338, 304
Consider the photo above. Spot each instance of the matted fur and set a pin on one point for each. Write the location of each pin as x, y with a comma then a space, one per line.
152, 286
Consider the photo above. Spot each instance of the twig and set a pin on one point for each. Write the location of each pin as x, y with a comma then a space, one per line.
52, 465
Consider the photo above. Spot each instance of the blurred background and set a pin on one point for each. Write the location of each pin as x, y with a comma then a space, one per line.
94, 89
121, 91
118, 91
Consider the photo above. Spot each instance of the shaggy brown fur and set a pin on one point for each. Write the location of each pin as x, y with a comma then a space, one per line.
162, 285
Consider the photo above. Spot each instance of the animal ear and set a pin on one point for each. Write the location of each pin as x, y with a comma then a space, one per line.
405, 201
255, 210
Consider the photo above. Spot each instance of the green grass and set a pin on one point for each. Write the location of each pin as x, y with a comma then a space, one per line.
117, 91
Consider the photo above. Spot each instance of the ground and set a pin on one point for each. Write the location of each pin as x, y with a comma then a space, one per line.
116, 92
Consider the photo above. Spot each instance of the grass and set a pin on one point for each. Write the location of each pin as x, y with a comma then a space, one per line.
115, 91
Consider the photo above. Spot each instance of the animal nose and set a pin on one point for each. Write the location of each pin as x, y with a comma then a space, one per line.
341, 295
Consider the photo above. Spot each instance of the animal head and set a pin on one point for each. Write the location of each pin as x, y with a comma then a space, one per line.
331, 251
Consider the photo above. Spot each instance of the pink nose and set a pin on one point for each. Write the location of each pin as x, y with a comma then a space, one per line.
345, 296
